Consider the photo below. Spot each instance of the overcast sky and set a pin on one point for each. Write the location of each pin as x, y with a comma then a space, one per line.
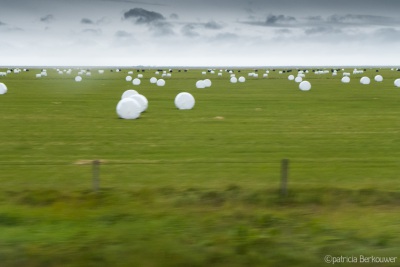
199, 33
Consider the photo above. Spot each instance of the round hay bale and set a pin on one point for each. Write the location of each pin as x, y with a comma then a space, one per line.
305, 86
378, 78
207, 82
136, 81
233, 80
128, 108
128, 78
153, 80
3, 89
346, 79
242, 79
129, 93
200, 84
298, 79
291, 77
78, 78
397, 83
160, 82
184, 101
365, 80
142, 100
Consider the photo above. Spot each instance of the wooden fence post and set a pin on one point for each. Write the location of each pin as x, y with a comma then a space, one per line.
96, 175
284, 177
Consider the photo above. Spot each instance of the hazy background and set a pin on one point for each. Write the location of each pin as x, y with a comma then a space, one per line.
193, 33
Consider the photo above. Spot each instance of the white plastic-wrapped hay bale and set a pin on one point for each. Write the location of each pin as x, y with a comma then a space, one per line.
298, 79
365, 80
160, 82
3, 74
200, 84
207, 82
157, 73
78, 78
184, 101
242, 79
233, 80
142, 100
169, 75
378, 78
219, 74
305, 86
38, 75
153, 80
129, 93
203, 73
346, 79
88, 74
140, 76
128, 108
397, 83
265, 75
128, 78
136, 81
291, 77
3, 89
346, 73
101, 71
130, 72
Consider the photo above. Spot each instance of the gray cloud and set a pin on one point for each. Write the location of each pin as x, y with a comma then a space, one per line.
174, 16
213, 25
47, 19
123, 34
283, 31
279, 19
86, 21
92, 31
354, 19
322, 30
274, 21
189, 30
387, 35
227, 36
160, 28
134, 2
2, 23
143, 16
154, 20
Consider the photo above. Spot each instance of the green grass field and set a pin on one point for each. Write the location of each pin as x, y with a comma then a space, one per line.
199, 187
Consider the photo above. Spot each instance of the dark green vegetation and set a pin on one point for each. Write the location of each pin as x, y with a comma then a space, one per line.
198, 187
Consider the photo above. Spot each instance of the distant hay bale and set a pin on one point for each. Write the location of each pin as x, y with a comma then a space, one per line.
305, 86
3, 89
128, 108
184, 101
